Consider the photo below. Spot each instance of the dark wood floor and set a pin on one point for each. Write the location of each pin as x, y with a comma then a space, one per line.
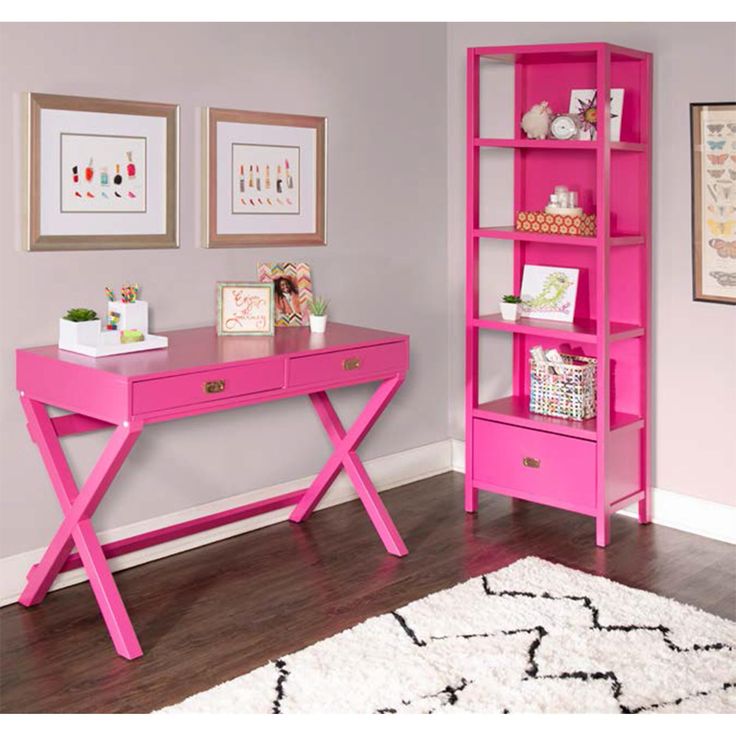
214, 613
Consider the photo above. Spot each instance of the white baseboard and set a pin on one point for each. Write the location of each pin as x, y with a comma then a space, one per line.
687, 513
676, 510
387, 472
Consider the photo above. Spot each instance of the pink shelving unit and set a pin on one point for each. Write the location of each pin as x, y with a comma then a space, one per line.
599, 465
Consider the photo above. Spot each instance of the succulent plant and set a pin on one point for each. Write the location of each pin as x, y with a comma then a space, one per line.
318, 306
81, 314
511, 299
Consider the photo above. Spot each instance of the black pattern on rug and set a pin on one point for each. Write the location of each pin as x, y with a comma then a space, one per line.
532, 669
283, 675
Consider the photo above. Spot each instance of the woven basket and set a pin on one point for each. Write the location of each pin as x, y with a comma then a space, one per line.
569, 394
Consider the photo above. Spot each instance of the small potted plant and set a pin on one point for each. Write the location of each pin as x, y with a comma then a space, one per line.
79, 326
318, 314
510, 307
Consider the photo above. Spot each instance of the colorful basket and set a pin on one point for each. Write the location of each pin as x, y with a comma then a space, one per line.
567, 392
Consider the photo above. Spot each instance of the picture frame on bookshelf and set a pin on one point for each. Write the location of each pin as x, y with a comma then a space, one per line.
713, 175
584, 105
549, 292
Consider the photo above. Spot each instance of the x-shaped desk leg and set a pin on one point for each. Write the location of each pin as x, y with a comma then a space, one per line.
345, 456
76, 528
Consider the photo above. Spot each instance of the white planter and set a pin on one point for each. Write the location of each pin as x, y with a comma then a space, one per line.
317, 323
79, 333
128, 315
509, 312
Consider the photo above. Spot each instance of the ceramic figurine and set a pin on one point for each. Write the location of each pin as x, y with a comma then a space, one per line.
536, 121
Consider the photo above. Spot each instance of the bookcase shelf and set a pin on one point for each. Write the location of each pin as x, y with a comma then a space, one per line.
581, 331
507, 232
551, 144
597, 465
514, 410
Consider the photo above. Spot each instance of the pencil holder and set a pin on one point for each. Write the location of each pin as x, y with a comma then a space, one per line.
128, 316
567, 390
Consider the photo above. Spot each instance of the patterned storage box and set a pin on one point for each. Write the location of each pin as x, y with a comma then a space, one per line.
541, 222
569, 394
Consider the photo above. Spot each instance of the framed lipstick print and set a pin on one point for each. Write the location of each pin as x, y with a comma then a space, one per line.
713, 168
102, 174
264, 179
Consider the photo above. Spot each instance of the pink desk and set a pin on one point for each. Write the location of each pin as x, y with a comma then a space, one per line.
197, 374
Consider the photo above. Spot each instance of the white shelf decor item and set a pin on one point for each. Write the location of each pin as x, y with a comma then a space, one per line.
88, 338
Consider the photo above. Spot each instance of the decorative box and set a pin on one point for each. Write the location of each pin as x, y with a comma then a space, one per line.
542, 222
566, 391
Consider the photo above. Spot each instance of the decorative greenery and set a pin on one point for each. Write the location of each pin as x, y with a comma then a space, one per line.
511, 299
318, 306
80, 314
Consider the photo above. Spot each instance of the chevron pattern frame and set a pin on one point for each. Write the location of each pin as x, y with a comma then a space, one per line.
293, 291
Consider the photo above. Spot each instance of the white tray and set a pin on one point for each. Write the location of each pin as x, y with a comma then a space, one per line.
152, 342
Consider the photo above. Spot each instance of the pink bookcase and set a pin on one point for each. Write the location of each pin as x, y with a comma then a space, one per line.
598, 465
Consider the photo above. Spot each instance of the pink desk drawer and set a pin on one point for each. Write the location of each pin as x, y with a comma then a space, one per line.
330, 367
159, 394
557, 470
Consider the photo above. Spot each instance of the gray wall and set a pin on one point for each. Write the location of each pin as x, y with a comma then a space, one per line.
383, 89
694, 343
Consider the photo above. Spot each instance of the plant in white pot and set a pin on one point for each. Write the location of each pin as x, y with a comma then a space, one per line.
318, 314
510, 306
79, 326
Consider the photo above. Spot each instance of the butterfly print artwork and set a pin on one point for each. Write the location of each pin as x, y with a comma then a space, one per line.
721, 228
722, 210
715, 128
716, 173
732, 127
716, 145
724, 278
718, 159
724, 248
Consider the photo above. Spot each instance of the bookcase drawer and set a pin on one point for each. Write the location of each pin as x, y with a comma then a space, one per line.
347, 364
159, 394
538, 466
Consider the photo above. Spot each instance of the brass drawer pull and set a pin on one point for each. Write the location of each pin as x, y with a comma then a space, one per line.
531, 462
213, 387
351, 364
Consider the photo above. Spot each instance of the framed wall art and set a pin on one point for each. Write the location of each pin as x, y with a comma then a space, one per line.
102, 174
245, 308
292, 283
713, 167
264, 179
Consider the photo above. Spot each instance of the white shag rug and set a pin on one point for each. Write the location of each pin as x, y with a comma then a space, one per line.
531, 637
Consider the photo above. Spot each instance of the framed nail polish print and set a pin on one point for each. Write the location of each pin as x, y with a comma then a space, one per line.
245, 308
264, 179
713, 171
102, 174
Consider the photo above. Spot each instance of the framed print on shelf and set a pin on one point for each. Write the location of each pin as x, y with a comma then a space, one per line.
102, 174
244, 308
292, 284
264, 179
549, 292
584, 105
713, 170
